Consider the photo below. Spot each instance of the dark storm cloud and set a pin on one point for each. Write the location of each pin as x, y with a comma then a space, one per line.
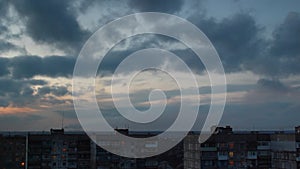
51, 66
271, 85
286, 37
284, 55
58, 66
4, 66
7, 46
26, 66
139, 42
3, 8
8, 85
60, 91
242, 45
30, 66
237, 39
44, 90
168, 6
27, 91
51, 21
114, 57
3, 29
17, 92
21, 92
55, 90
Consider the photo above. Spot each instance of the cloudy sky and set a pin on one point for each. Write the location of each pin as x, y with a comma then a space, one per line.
258, 43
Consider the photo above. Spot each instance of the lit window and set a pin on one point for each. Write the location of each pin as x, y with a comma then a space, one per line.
231, 154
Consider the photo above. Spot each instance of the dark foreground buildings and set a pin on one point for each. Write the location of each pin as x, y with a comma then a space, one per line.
224, 149
227, 149
71, 150
12, 152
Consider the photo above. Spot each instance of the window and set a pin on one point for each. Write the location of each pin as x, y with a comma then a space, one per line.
222, 153
251, 153
231, 154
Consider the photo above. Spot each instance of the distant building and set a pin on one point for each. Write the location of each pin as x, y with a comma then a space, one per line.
12, 152
297, 138
172, 159
227, 149
57, 150
60, 150
283, 148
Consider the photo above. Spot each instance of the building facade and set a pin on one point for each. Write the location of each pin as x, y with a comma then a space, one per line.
297, 139
227, 149
57, 150
12, 151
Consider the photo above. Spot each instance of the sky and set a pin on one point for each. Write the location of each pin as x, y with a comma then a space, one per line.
257, 41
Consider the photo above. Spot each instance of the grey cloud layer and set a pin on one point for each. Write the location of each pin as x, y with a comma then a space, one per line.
285, 50
56, 90
51, 21
30, 66
240, 42
239, 39
168, 6
23, 92
17, 92
17, 85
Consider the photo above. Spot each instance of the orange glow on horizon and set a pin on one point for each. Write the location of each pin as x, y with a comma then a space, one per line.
14, 110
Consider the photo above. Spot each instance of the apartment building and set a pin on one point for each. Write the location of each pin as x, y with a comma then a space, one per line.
12, 151
283, 149
228, 149
225, 149
57, 150
297, 140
